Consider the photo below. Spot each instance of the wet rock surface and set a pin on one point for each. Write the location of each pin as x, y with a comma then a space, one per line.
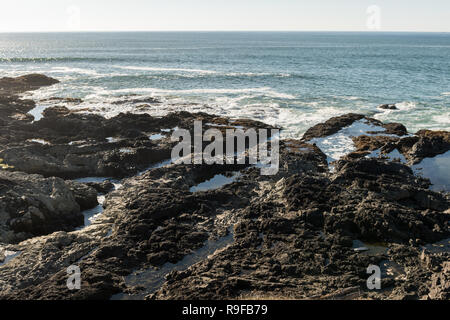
289, 235
331, 126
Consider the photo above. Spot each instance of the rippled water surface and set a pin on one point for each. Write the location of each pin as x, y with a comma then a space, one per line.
292, 79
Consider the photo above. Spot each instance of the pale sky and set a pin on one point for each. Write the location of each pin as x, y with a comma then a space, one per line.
188, 15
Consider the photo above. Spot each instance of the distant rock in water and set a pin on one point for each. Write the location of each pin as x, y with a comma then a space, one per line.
388, 107
25, 83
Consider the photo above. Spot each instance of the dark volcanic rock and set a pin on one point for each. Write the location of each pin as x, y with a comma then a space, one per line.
289, 235
25, 83
85, 195
335, 124
71, 161
331, 126
32, 205
387, 203
440, 286
424, 144
388, 107
395, 128
430, 144
78, 147
371, 143
13, 117
134, 100
102, 187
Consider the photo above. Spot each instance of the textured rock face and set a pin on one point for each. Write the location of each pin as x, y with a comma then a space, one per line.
440, 283
290, 235
84, 194
384, 203
80, 145
331, 126
430, 144
302, 247
32, 205
415, 148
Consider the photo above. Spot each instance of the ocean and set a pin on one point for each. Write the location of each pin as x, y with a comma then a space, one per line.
290, 79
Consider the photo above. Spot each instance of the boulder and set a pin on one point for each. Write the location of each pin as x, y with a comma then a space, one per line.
32, 205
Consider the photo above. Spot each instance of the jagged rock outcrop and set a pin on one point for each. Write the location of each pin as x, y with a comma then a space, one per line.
295, 234
31, 205
24, 83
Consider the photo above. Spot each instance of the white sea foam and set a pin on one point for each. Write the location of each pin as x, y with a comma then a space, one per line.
293, 112
266, 90
203, 71
443, 118
165, 69
157, 136
406, 105
112, 139
256, 74
93, 214
90, 72
350, 98
238, 105
126, 150
339, 144
40, 141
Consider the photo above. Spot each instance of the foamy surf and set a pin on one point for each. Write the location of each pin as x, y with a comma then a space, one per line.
259, 103
340, 144
165, 69
194, 71
261, 90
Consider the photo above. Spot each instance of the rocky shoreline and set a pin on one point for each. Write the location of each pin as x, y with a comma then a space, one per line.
308, 232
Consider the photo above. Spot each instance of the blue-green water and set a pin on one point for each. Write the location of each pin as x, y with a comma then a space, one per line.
292, 79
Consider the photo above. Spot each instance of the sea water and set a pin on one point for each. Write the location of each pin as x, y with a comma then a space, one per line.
291, 79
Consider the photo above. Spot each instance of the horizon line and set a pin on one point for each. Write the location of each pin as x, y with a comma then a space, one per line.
255, 31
